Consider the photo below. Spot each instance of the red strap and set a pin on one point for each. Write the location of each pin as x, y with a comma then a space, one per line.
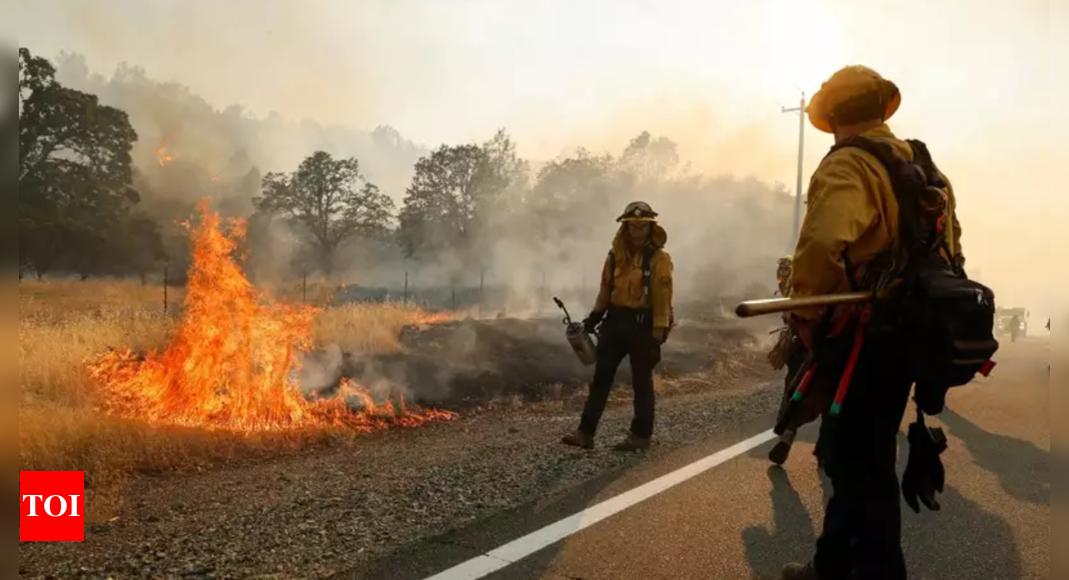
803, 387
851, 363
987, 368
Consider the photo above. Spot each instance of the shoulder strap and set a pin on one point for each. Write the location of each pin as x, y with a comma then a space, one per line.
923, 158
647, 271
612, 273
902, 179
881, 151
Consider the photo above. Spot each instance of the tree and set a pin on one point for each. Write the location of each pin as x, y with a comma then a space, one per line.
459, 193
74, 171
650, 160
142, 246
330, 201
567, 191
441, 206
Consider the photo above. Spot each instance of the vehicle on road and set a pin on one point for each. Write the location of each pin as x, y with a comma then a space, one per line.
1005, 318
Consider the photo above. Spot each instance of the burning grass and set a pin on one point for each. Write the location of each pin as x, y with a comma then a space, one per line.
213, 385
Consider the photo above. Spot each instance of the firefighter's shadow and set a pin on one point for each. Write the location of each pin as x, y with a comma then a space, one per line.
1022, 468
792, 534
962, 541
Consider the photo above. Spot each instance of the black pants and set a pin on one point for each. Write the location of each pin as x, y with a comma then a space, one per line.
863, 521
624, 334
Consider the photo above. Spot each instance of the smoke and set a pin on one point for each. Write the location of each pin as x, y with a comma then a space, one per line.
710, 76
449, 354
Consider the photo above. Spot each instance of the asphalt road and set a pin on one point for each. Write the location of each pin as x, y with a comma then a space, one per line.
741, 519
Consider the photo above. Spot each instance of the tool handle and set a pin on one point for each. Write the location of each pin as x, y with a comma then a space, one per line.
752, 308
567, 317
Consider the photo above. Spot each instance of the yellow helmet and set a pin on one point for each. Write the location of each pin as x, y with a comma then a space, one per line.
783, 270
638, 211
849, 84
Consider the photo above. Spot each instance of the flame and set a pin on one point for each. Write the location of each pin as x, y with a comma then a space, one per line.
230, 363
434, 318
162, 156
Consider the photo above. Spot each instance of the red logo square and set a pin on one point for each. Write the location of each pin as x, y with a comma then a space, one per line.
52, 506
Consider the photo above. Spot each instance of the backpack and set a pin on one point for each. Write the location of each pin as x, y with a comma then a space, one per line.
945, 319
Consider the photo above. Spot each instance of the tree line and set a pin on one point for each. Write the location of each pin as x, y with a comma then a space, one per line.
85, 207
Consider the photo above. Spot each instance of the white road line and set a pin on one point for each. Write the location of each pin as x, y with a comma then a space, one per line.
490, 562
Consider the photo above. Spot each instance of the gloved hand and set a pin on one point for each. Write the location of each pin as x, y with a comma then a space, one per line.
660, 335
925, 475
930, 399
590, 323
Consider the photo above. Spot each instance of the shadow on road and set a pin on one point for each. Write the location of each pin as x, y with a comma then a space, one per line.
961, 542
1021, 466
792, 535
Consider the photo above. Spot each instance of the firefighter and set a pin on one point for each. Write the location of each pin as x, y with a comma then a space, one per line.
783, 275
632, 317
791, 353
848, 234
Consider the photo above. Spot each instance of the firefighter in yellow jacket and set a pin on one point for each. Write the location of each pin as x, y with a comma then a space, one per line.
791, 353
632, 316
850, 232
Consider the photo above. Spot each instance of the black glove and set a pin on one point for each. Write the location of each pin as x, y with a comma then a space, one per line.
590, 323
931, 399
925, 475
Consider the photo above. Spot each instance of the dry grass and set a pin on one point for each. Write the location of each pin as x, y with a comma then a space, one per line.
65, 325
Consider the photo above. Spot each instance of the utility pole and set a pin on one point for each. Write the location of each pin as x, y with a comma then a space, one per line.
800, 109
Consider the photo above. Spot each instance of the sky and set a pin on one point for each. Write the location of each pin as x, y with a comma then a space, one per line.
976, 78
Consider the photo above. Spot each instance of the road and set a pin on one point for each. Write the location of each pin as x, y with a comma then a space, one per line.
741, 519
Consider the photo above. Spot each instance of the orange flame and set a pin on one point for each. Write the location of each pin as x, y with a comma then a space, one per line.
230, 362
162, 155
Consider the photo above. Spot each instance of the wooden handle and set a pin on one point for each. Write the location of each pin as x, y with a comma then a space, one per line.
753, 308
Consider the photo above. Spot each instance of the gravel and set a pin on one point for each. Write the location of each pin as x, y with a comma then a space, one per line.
328, 510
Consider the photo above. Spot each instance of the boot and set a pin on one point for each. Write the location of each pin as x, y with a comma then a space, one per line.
782, 449
633, 443
579, 439
799, 572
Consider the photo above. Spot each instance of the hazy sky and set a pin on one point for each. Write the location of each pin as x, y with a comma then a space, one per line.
712, 75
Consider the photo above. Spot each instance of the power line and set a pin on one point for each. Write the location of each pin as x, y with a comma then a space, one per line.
800, 109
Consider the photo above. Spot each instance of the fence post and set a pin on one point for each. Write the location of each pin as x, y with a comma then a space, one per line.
542, 297
165, 290
406, 289
453, 294
482, 285
304, 286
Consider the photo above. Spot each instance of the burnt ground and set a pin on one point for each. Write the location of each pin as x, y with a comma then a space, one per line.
465, 364
349, 508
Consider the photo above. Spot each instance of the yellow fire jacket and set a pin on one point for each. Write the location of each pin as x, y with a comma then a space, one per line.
853, 211
626, 277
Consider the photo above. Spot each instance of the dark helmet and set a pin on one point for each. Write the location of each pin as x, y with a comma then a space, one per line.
638, 211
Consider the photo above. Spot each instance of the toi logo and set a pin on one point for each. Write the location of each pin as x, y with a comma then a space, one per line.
52, 506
